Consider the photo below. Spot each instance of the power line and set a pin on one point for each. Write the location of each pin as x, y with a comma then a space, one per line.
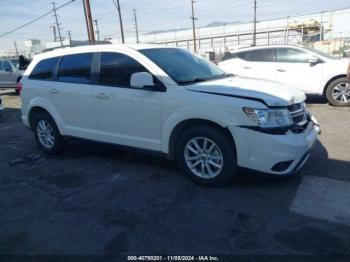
35, 19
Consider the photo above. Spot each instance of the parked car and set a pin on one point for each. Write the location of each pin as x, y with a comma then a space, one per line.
310, 70
168, 101
9, 73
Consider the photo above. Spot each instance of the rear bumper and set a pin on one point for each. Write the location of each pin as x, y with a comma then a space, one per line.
274, 154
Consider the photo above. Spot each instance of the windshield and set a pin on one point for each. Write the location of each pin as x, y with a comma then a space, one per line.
320, 53
182, 66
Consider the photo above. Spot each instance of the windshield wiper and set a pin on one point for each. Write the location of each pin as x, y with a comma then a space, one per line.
198, 79
195, 80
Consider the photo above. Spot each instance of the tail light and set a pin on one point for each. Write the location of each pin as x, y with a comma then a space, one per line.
19, 86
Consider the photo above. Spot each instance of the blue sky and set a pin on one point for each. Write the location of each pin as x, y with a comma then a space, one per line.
152, 15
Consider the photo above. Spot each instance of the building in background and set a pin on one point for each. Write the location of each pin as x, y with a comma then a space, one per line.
32, 47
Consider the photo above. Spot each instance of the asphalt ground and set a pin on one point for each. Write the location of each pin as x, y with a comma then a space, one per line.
100, 200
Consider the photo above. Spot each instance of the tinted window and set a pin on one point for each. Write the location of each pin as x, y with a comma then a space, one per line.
183, 66
44, 69
116, 69
289, 55
231, 56
261, 55
75, 68
6, 65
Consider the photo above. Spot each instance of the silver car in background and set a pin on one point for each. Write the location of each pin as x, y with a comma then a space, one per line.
10, 73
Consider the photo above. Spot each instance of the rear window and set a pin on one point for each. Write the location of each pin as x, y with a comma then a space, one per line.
44, 69
75, 68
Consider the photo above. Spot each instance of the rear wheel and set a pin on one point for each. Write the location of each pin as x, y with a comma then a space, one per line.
206, 155
47, 134
338, 92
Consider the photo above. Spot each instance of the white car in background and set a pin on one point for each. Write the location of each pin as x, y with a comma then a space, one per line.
310, 70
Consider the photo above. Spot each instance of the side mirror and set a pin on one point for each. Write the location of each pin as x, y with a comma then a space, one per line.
8, 69
142, 80
314, 60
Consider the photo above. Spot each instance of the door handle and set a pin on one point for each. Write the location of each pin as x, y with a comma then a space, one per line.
102, 95
247, 67
53, 90
281, 70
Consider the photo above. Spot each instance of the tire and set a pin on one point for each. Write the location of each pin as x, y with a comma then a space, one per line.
222, 153
54, 141
339, 86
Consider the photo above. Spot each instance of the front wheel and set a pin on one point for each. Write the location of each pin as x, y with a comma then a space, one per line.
207, 155
338, 92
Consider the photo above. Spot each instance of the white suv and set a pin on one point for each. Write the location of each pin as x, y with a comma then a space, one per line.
169, 101
310, 70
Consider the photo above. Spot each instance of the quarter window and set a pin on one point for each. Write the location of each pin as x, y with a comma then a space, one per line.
44, 69
116, 69
260, 55
75, 68
289, 55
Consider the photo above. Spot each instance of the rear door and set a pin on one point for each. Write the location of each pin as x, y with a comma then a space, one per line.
293, 68
70, 94
259, 63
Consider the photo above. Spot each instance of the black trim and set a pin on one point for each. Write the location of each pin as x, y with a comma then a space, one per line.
235, 96
121, 147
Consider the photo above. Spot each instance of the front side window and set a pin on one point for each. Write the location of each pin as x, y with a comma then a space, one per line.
44, 69
260, 55
116, 69
182, 66
75, 68
290, 55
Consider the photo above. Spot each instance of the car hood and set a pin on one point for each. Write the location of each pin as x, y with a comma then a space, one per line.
268, 92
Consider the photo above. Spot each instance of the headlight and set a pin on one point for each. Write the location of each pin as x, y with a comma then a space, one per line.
269, 118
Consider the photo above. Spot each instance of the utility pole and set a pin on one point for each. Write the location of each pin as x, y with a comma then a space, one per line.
89, 21
16, 48
136, 28
97, 31
70, 37
57, 24
254, 26
194, 27
117, 5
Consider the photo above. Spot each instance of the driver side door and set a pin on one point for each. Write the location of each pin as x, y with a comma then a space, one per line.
126, 115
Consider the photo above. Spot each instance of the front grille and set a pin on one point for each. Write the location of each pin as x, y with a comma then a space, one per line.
298, 113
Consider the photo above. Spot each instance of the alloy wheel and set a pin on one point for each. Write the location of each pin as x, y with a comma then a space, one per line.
203, 157
45, 134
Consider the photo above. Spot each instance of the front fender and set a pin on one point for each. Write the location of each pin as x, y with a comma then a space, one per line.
220, 117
